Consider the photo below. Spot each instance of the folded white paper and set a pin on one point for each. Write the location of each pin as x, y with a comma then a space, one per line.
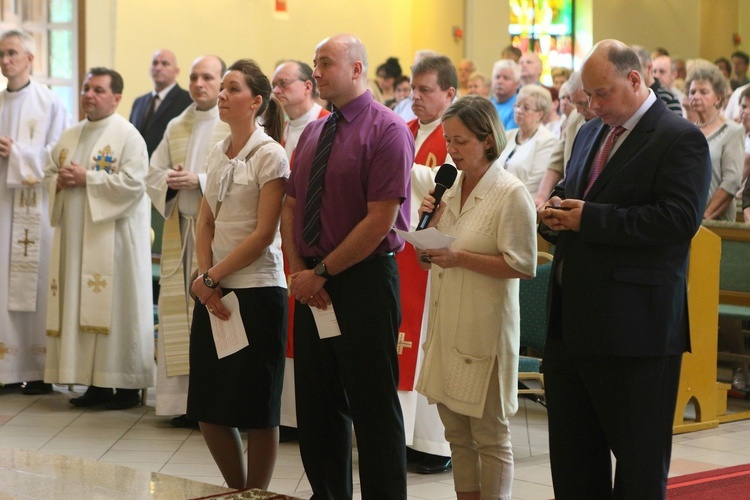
229, 335
325, 320
427, 238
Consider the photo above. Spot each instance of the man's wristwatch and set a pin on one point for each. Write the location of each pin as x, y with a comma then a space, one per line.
321, 270
208, 281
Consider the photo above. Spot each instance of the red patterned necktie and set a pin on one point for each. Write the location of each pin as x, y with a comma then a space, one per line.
601, 158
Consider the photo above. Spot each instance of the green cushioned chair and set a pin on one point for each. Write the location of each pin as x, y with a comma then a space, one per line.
533, 305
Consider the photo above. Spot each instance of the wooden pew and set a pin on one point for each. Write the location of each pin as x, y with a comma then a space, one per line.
734, 291
698, 384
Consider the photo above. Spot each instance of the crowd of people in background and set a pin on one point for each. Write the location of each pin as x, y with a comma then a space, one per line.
325, 162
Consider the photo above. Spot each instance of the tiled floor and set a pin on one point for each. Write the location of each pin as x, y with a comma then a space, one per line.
137, 438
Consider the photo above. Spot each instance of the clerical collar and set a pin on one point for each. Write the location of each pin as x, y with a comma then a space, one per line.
429, 127
20, 89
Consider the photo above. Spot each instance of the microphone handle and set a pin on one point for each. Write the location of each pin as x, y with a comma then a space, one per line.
426, 217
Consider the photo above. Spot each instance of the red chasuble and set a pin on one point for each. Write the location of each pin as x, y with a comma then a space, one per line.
413, 278
290, 320
433, 150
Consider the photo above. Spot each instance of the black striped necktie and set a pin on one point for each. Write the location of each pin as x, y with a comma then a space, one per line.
311, 218
150, 111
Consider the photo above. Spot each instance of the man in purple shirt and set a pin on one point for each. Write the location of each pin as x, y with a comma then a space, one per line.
352, 377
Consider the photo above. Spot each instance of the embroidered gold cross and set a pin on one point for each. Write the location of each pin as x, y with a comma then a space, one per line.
97, 283
53, 287
402, 343
28, 198
3, 350
26, 242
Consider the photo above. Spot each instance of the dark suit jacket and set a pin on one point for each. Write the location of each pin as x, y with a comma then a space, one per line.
174, 103
624, 272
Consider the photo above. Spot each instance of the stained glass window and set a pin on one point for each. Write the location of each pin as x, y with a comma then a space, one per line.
544, 27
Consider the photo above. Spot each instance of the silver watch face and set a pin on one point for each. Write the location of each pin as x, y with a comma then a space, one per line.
320, 269
209, 282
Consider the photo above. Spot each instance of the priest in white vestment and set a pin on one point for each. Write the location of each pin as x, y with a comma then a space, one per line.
296, 90
32, 118
175, 183
100, 318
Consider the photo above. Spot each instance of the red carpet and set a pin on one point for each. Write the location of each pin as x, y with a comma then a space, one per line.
728, 483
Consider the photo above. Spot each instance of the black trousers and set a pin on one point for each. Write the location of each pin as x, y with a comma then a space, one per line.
597, 404
349, 379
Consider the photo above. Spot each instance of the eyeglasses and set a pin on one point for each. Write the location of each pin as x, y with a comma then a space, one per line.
12, 54
282, 84
525, 108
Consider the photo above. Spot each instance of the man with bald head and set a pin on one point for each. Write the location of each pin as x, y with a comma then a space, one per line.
151, 112
622, 222
465, 69
32, 118
296, 90
348, 189
175, 183
531, 68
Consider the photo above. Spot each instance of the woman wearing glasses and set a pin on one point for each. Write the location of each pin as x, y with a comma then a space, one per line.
530, 146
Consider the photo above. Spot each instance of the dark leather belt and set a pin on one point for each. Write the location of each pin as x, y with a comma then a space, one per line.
311, 262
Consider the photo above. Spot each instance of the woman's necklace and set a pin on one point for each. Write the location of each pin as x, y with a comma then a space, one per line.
520, 140
710, 122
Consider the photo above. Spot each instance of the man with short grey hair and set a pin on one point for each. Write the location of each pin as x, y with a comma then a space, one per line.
506, 78
32, 118
296, 90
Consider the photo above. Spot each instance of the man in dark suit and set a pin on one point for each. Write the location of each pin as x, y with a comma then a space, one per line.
622, 222
152, 112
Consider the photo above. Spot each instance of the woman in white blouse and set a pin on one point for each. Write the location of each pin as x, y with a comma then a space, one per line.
530, 146
470, 367
238, 246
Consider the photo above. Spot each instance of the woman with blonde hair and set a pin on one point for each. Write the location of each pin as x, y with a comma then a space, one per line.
530, 146
706, 93
470, 367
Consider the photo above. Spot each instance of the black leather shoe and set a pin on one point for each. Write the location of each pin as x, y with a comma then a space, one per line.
94, 396
433, 464
123, 399
36, 387
184, 422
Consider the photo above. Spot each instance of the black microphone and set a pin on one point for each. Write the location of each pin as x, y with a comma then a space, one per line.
444, 179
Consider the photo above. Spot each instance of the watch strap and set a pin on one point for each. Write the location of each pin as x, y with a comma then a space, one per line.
209, 282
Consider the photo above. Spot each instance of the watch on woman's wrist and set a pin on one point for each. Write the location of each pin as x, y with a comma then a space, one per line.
208, 281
